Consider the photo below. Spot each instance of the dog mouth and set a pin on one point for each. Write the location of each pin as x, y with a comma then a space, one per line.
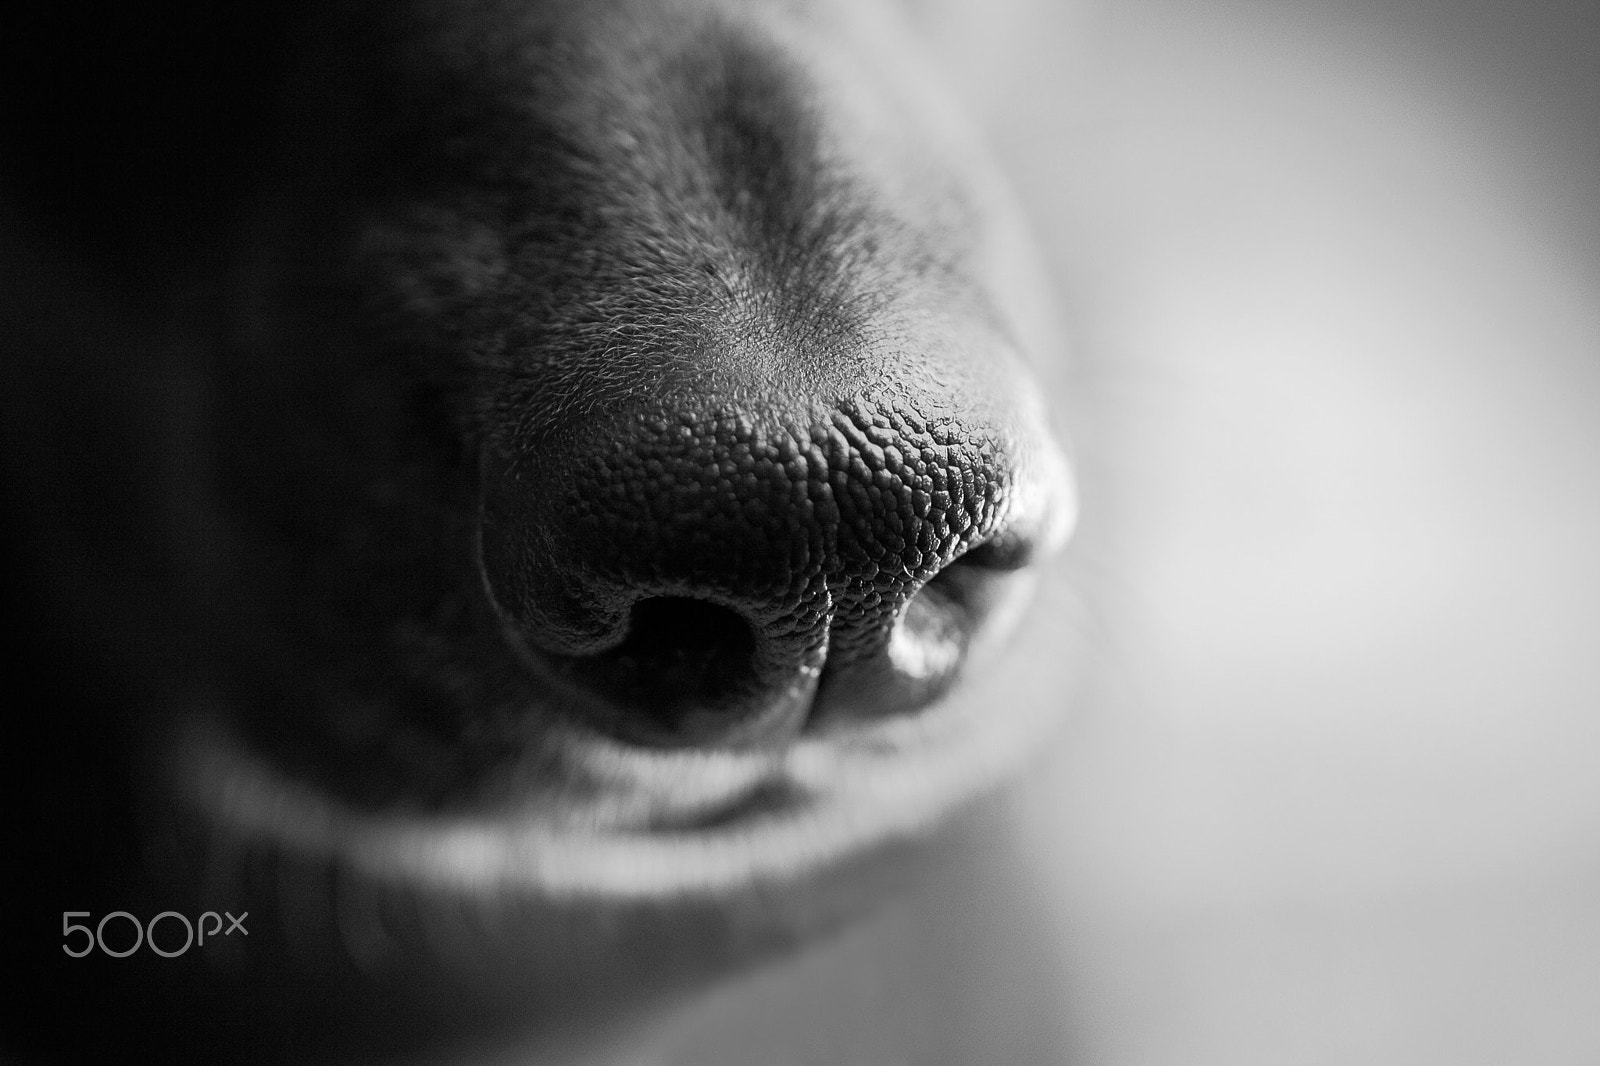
889, 746
646, 770
588, 817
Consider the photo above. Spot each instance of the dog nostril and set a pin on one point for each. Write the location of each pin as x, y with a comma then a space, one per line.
964, 610
696, 575
1000, 553
683, 664
677, 645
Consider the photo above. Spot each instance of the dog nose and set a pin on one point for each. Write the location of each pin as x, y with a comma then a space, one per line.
694, 576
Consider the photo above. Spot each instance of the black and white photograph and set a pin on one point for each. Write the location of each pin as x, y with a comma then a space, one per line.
801, 532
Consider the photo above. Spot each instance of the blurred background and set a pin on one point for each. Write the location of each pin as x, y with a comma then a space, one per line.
1330, 788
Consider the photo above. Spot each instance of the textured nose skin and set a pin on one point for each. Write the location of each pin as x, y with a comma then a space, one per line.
716, 562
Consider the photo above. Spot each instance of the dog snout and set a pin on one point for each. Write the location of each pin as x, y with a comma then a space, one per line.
745, 375
701, 574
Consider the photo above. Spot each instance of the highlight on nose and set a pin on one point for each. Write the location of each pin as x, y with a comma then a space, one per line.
699, 577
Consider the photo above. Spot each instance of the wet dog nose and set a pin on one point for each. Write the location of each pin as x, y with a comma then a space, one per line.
751, 381
695, 576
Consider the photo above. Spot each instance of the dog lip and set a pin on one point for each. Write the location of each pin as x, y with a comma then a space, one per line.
610, 821
595, 818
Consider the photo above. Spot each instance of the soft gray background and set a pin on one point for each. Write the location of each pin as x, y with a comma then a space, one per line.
1332, 791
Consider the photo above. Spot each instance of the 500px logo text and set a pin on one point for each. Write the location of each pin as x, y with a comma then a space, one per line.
146, 934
